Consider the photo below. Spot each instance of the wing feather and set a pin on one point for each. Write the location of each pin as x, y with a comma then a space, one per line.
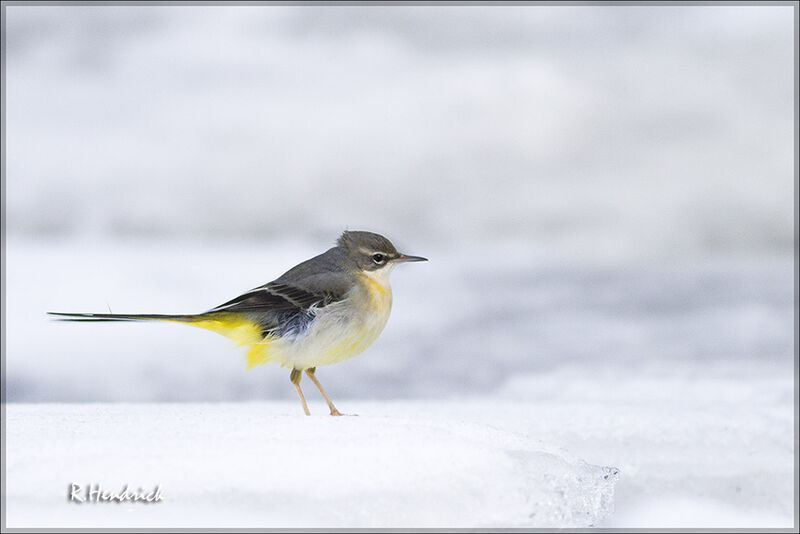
279, 308
277, 297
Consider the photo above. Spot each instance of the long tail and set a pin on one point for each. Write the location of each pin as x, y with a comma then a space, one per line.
97, 317
237, 327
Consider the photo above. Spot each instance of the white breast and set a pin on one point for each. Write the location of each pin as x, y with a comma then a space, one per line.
340, 330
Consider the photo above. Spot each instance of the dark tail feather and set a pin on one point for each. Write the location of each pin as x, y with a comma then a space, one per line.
98, 317
235, 326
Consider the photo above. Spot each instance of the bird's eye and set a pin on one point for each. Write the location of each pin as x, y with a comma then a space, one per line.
378, 258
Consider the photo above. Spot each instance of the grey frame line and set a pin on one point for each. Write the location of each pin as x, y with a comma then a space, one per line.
11, 3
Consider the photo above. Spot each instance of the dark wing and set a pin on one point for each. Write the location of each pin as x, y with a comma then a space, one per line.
278, 297
287, 304
278, 308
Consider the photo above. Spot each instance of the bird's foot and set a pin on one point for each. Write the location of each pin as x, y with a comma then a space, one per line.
337, 413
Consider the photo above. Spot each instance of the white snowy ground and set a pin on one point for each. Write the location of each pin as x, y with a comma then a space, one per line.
678, 375
715, 451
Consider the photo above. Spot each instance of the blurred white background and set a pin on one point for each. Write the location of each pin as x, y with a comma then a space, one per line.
606, 195
593, 185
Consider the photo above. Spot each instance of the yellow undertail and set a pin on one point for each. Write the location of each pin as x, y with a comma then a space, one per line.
238, 329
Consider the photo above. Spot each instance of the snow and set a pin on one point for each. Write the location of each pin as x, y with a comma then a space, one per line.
697, 444
257, 464
560, 449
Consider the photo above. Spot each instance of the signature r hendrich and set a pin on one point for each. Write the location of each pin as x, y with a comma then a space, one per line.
95, 493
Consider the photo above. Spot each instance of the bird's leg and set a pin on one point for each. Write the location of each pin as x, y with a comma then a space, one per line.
310, 372
295, 378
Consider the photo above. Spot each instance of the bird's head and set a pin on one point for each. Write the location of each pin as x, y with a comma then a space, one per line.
373, 253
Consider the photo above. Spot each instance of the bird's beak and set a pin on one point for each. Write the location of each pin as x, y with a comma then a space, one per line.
402, 258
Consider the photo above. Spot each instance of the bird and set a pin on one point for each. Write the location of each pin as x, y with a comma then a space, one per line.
322, 311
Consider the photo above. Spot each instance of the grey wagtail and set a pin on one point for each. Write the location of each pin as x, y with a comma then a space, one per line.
322, 311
